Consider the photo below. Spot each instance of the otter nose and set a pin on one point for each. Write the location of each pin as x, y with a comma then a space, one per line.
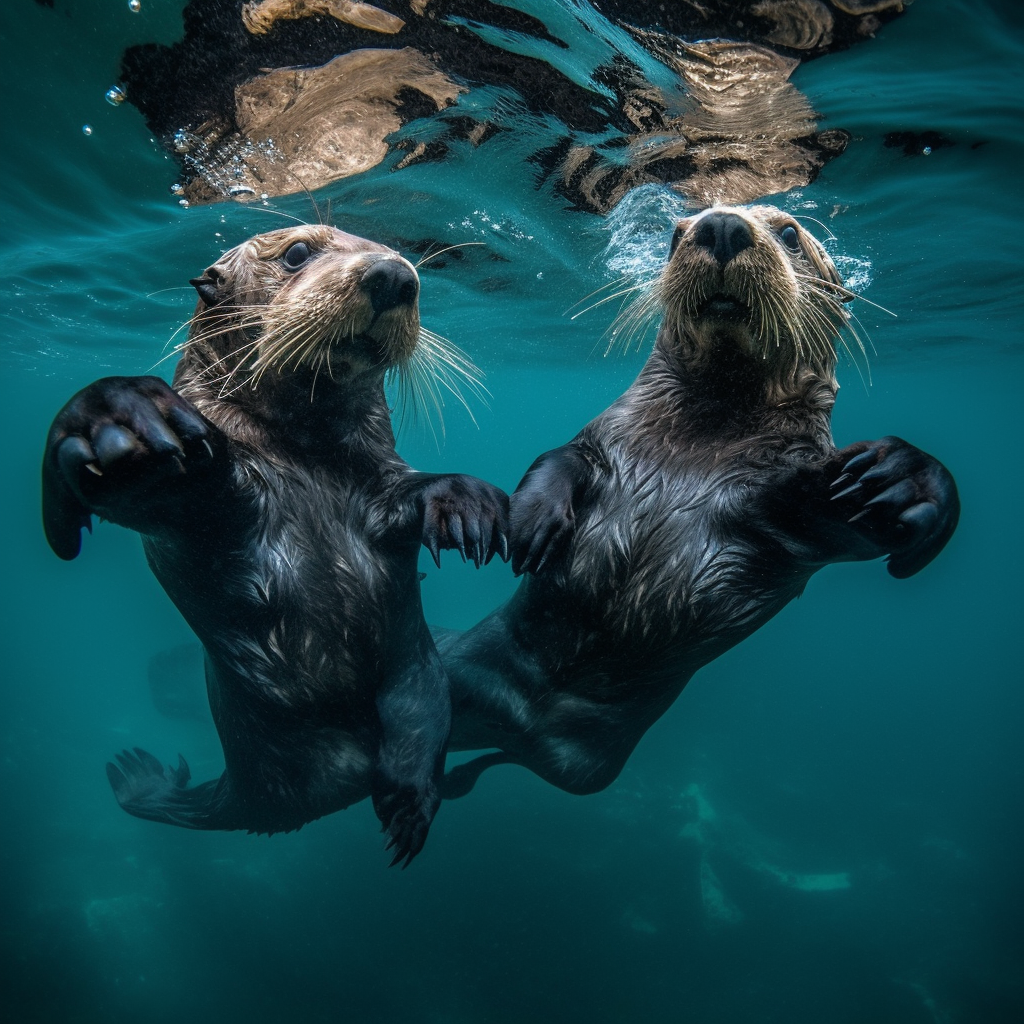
725, 234
390, 283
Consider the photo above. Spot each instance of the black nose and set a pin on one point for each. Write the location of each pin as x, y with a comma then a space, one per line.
725, 234
390, 283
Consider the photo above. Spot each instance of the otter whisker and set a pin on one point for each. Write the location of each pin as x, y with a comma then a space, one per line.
173, 288
309, 195
440, 252
237, 352
632, 321
596, 291
850, 295
414, 388
281, 213
437, 364
608, 298
412, 397
814, 220
437, 348
316, 373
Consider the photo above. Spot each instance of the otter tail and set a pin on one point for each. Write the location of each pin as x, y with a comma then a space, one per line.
462, 778
145, 788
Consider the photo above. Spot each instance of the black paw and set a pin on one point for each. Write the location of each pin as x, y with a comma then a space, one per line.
143, 786
467, 515
405, 813
543, 526
902, 497
109, 450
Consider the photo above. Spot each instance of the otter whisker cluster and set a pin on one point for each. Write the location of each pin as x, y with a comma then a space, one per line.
437, 366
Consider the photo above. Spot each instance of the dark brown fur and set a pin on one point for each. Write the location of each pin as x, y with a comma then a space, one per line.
281, 521
688, 513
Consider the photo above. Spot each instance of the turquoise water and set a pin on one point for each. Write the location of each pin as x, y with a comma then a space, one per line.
825, 828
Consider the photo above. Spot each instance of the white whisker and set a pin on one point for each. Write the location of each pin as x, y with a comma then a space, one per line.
447, 248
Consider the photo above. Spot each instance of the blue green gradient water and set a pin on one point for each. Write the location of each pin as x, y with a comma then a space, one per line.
827, 825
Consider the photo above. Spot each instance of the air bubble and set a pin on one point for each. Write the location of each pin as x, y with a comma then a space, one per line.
927, 151
115, 96
182, 143
177, 189
87, 129
183, 203
134, 6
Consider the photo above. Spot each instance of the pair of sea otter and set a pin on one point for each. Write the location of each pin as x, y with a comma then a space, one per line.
278, 516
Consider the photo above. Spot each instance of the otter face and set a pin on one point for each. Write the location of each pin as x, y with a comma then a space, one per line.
308, 297
752, 277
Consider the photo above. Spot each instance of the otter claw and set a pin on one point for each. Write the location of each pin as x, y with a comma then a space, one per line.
434, 548
849, 492
455, 529
868, 458
899, 494
94, 468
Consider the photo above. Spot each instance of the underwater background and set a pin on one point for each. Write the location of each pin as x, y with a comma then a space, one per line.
826, 827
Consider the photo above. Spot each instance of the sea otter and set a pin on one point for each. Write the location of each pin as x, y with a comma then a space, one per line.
688, 513
279, 518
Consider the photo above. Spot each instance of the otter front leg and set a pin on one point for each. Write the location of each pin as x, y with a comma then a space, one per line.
465, 514
873, 498
414, 708
900, 499
125, 449
543, 509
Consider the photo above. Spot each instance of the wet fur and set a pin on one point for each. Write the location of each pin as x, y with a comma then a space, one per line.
687, 514
281, 521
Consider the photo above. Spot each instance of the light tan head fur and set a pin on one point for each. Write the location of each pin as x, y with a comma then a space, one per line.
770, 289
756, 278
298, 299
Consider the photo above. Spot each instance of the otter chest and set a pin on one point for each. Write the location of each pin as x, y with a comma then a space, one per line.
314, 542
667, 557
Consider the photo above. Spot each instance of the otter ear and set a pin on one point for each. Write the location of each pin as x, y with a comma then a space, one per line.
212, 285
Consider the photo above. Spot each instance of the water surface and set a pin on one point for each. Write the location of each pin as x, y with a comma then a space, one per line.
825, 828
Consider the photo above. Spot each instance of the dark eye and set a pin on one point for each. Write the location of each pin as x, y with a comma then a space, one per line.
296, 255
790, 238
677, 237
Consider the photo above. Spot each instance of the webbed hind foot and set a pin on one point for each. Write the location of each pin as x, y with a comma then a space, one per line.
459, 781
146, 789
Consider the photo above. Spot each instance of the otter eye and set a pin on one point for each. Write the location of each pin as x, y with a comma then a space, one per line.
790, 238
677, 237
296, 255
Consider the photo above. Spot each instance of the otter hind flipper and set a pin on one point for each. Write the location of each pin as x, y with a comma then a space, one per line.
460, 780
145, 788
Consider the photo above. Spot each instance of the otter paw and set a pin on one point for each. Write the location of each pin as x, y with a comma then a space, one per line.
109, 450
406, 813
543, 527
903, 498
467, 515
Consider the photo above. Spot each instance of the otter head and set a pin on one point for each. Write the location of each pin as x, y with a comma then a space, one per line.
292, 307
752, 281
